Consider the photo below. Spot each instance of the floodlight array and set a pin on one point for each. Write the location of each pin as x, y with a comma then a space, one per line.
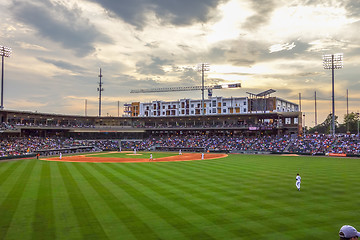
5, 51
333, 61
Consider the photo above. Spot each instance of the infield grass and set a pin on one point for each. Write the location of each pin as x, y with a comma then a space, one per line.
238, 197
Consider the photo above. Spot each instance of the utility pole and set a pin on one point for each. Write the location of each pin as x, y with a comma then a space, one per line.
315, 111
203, 67
100, 89
118, 108
347, 109
85, 107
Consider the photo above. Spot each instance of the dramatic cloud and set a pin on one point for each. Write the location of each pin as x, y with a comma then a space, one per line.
59, 46
59, 24
155, 67
63, 65
263, 10
186, 12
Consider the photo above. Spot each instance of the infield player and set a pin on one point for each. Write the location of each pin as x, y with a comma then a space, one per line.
151, 158
298, 181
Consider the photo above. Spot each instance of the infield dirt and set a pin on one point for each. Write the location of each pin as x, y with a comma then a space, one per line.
183, 157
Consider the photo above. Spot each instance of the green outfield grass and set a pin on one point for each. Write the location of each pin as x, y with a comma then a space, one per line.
238, 197
139, 154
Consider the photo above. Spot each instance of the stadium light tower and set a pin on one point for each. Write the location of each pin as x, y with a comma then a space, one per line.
333, 61
100, 89
203, 67
4, 52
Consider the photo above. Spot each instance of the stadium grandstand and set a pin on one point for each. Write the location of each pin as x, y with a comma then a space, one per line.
258, 124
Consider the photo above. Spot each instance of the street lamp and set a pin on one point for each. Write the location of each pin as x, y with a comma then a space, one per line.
4, 52
333, 61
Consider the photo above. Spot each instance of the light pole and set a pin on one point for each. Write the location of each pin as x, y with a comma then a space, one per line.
333, 61
4, 52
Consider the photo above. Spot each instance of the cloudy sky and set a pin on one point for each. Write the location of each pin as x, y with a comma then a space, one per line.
59, 45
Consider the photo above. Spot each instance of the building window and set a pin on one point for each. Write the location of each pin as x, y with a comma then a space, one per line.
224, 104
224, 110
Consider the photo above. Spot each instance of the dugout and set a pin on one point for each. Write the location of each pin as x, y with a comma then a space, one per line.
68, 150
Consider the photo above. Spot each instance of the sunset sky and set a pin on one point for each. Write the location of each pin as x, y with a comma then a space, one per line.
59, 45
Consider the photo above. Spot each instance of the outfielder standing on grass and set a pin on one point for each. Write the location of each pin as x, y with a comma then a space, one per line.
298, 181
151, 158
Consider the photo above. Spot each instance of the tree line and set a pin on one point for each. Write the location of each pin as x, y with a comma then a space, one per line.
350, 125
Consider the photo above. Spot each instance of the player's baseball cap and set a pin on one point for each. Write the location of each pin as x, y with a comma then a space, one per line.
348, 231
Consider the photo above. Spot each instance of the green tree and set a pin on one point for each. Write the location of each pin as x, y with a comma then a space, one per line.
325, 126
351, 121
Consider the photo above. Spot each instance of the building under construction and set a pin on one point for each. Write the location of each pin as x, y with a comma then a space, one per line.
255, 103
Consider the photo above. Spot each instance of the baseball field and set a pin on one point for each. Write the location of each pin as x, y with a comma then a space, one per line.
221, 197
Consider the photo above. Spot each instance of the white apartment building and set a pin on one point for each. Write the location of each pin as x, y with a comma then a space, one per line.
212, 106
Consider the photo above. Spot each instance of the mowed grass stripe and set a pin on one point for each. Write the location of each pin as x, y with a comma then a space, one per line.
10, 204
125, 215
64, 215
130, 197
158, 207
7, 168
87, 221
207, 192
20, 227
187, 175
258, 192
44, 223
190, 199
188, 182
181, 196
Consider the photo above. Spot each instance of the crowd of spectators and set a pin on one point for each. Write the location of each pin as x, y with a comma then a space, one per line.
309, 144
198, 124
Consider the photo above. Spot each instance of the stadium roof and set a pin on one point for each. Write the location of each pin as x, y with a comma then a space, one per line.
262, 94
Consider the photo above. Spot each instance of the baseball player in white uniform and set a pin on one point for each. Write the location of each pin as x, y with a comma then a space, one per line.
298, 181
